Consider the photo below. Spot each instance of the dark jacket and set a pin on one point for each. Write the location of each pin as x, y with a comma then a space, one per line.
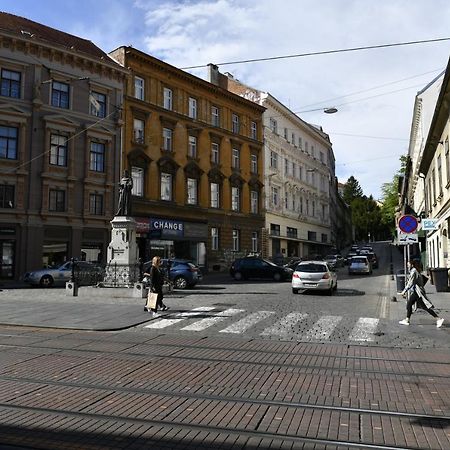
156, 279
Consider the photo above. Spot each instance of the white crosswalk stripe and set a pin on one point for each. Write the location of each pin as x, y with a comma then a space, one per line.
323, 328
163, 323
284, 326
364, 329
210, 321
247, 322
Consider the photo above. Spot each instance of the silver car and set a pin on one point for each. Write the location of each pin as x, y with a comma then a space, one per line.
85, 272
316, 275
360, 264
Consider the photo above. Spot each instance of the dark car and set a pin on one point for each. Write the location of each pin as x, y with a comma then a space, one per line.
373, 259
250, 267
183, 273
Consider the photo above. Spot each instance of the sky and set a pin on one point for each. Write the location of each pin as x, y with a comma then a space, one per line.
373, 90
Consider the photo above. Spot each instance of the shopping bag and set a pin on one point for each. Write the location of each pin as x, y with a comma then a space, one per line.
151, 300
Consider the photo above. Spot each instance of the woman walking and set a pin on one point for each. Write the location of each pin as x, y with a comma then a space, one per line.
156, 284
417, 297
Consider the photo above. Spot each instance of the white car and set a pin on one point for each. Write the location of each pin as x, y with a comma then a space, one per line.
360, 264
315, 275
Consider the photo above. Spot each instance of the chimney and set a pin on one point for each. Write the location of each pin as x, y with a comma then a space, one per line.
213, 74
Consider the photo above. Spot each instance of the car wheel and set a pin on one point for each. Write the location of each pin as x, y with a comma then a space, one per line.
330, 291
294, 291
335, 287
180, 283
277, 276
46, 281
238, 276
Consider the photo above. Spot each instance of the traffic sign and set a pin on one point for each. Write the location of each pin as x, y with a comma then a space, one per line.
407, 238
408, 224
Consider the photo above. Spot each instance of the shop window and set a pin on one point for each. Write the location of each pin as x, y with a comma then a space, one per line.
60, 95
54, 253
6, 196
92, 252
97, 157
10, 83
57, 200
166, 186
58, 150
137, 174
8, 142
96, 204
214, 238
7, 259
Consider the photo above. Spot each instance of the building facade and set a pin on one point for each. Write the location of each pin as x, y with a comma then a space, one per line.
299, 181
59, 146
194, 150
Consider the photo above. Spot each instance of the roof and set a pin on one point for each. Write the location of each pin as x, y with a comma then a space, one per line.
33, 30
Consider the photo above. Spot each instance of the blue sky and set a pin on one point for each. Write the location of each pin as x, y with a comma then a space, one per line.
371, 129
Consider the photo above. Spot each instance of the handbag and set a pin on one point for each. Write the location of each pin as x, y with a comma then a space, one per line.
151, 300
424, 280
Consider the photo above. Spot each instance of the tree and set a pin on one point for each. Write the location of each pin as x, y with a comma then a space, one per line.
352, 190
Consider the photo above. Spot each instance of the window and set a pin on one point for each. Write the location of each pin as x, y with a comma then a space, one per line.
137, 174
236, 240
215, 153
167, 94
8, 142
433, 185
235, 198
306, 146
286, 201
215, 195
294, 169
447, 159
6, 196
214, 238
286, 167
324, 237
293, 138
96, 204
275, 196
439, 169
138, 131
254, 241
291, 232
234, 123
57, 200
139, 88
215, 116
273, 160
312, 236
192, 191
273, 125
166, 186
60, 94
97, 157
275, 229
286, 134
98, 104
313, 208
253, 130
58, 150
300, 143
10, 86
313, 151
254, 202
322, 157
254, 163
235, 158
192, 108
167, 139
192, 146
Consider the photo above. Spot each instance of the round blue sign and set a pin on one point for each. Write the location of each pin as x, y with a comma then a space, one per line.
407, 224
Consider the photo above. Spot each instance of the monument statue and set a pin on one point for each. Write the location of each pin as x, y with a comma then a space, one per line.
125, 187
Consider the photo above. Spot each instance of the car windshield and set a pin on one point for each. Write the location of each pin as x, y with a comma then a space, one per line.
359, 260
330, 257
311, 268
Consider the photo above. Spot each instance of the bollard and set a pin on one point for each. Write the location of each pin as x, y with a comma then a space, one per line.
72, 288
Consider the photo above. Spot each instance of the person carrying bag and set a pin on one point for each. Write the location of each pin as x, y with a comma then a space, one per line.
155, 294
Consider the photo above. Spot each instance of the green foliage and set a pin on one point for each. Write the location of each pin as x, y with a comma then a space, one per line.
366, 217
352, 190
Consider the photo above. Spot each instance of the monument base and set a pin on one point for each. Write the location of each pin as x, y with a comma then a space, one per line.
121, 275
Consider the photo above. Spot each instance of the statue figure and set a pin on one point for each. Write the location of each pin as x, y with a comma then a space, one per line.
125, 187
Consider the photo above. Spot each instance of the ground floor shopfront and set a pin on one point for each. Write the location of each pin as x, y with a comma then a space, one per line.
26, 247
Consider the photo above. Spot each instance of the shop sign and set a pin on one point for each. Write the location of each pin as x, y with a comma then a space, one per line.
167, 227
429, 224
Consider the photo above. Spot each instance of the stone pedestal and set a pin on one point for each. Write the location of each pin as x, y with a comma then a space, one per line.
122, 269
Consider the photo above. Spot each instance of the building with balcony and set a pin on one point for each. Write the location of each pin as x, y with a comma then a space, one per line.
194, 150
60, 103
299, 180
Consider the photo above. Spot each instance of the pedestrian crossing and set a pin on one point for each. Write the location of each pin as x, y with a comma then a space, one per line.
303, 325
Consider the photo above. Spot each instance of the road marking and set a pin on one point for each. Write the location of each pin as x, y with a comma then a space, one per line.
284, 326
247, 322
323, 328
210, 321
163, 323
364, 329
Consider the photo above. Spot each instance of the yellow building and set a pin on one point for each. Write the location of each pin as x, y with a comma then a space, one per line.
194, 151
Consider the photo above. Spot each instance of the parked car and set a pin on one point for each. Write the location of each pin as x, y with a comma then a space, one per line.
334, 261
181, 272
292, 264
359, 264
373, 260
86, 273
316, 275
251, 267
